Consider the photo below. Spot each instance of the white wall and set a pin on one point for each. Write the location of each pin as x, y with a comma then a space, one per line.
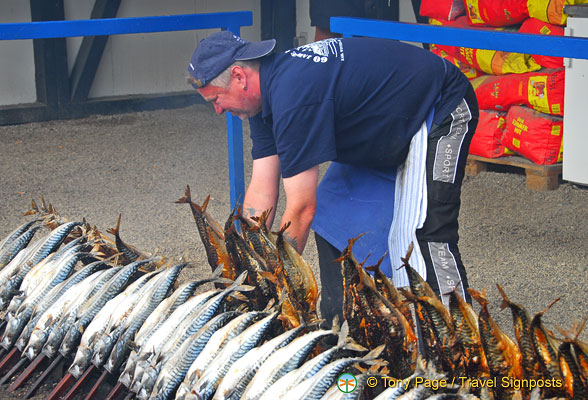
139, 63
17, 69
131, 64
152, 62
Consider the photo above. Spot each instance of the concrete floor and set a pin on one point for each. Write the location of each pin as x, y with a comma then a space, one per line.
533, 244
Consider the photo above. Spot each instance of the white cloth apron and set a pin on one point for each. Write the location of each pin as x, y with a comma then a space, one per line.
410, 209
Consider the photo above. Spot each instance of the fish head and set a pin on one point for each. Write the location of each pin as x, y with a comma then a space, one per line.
76, 370
53, 341
11, 331
148, 380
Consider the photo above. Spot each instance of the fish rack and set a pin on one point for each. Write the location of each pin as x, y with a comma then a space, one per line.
379, 326
539, 177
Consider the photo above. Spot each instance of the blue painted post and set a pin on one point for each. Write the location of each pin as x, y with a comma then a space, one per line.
235, 150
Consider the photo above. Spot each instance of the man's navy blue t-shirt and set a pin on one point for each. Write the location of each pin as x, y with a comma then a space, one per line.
356, 101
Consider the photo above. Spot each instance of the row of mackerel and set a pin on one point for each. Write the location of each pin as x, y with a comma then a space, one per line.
52, 273
54, 295
135, 320
16, 241
92, 306
108, 318
12, 275
46, 267
60, 328
248, 368
217, 342
208, 383
286, 383
120, 317
175, 366
44, 322
151, 349
153, 322
184, 322
15, 234
39, 274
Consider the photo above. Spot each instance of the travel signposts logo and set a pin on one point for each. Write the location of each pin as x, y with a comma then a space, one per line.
346, 383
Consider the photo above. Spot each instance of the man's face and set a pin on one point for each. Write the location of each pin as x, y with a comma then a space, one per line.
232, 98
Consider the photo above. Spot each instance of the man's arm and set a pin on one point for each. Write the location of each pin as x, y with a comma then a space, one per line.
300, 206
263, 190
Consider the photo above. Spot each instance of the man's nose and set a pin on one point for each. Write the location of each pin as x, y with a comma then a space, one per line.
219, 110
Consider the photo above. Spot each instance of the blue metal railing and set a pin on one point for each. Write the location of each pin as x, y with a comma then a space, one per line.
527, 43
232, 21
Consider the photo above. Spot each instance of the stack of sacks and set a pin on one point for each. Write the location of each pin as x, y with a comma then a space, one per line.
521, 96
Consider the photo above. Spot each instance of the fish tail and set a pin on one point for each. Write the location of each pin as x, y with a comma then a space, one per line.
114, 231
187, 196
505, 301
479, 297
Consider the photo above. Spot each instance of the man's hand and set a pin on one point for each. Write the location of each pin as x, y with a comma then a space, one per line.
300, 206
263, 190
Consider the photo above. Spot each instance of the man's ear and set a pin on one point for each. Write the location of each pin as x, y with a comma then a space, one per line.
238, 73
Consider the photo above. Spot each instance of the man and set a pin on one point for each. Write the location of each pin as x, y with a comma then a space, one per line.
394, 120
321, 12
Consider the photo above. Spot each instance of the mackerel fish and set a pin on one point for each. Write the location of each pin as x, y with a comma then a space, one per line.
89, 310
307, 370
54, 295
314, 388
14, 247
175, 367
242, 371
45, 247
60, 328
206, 386
147, 304
283, 361
49, 318
213, 347
151, 348
190, 326
17, 323
108, 318
153, 322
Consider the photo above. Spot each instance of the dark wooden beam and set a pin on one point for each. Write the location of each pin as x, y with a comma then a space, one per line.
90, 52
51, 75
36, 112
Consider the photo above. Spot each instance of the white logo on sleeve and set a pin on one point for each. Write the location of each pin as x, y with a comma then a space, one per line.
319, 52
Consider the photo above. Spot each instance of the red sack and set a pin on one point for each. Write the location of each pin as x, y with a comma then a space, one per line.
533, 25
489, 61
496, 12
542, 91
443, 9
487, 141
534, 135
468, 71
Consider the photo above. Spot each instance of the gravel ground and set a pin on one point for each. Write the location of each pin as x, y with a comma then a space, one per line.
534, 244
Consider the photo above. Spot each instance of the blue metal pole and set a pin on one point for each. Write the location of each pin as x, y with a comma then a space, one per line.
526, 43
235, 150
115, 26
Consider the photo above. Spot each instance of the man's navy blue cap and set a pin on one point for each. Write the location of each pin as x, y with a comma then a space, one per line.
217, 52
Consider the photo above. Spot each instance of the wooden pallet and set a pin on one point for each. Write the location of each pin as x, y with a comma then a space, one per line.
539, 177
